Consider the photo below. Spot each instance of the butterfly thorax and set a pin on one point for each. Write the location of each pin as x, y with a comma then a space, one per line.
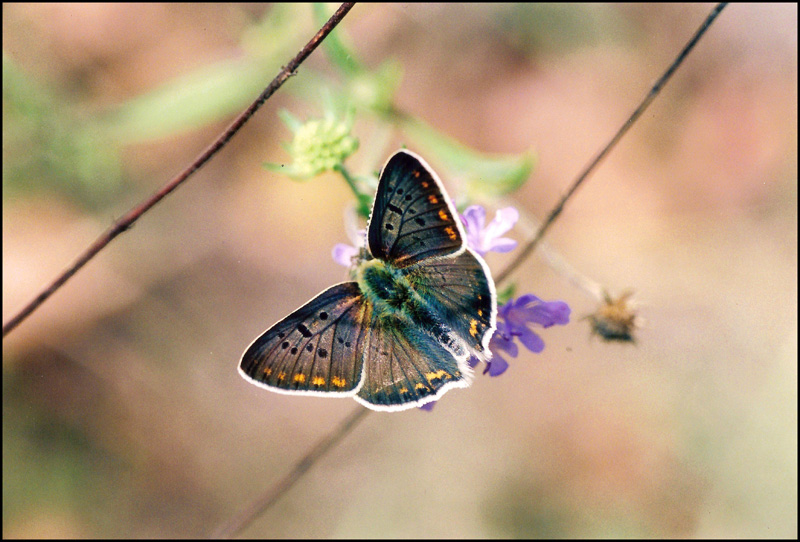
384, 285
397, 301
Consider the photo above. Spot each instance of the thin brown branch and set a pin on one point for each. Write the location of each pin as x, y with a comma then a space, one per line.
654, 91
135, 213
246, 516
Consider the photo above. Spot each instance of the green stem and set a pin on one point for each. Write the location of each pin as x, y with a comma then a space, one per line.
363, 200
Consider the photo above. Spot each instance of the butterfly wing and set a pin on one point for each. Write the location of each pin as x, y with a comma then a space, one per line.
407, 368
319, 348
412, 217
461, 292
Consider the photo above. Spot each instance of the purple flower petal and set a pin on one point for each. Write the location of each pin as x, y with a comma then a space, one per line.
474, 217
483, 239
513, 322
531, 341
526, 299
530, 309
504, 343
504, 220
560, 312
496, 366
549, 313
504, 245
344, 254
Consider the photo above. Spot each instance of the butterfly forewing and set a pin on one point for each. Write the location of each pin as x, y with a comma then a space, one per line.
318, 348
407, 368
412, 217
459, 289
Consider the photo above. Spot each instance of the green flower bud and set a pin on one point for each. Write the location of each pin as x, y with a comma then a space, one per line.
319, 145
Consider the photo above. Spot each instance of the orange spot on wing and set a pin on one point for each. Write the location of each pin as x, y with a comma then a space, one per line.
338, 382
433, 199
441, 374
451, 233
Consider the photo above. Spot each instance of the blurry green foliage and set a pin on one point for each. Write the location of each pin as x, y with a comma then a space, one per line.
211, 93
215, 91
79, 156
57, 465
485, 176
371, 93
506, 293
48, 145
552, 28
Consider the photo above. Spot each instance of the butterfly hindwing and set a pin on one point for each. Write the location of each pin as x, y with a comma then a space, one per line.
460, 290
319, 348
407, 368
412, 217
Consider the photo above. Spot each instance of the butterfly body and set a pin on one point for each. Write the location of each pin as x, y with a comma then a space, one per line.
385, 285
402, 297
400, 334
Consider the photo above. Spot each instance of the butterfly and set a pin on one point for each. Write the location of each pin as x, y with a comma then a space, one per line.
400, 335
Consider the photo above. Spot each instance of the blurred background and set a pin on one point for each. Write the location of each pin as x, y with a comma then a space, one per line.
123, 413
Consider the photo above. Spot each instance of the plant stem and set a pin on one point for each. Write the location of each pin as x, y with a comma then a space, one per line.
654, 91
135, 213
363, 201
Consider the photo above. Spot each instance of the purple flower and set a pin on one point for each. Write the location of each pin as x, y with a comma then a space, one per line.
344, 254
513, 320
483, 239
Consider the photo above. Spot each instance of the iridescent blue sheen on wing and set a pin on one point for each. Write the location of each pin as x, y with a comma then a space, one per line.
318, 348
412, 218
460, 292
407, 367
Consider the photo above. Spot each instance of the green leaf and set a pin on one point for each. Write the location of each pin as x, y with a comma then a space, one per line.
215, 91
374, 90
506, 293
291, 122
48, 144
193, 100
484, 175
341, 56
